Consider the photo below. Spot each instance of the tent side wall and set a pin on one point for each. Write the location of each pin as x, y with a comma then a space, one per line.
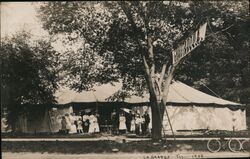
212, 118
45, 121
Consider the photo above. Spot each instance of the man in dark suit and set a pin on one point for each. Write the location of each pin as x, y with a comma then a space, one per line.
146, 122
128, 120
115, 121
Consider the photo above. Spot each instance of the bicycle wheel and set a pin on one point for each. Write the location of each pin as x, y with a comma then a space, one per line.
245, 145
234, 145
213, 145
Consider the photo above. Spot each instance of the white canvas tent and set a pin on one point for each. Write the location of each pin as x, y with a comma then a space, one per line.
197, 110
188, 108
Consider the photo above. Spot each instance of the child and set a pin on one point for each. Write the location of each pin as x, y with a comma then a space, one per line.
79, 126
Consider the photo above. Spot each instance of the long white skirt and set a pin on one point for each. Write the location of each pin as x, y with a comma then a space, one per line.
72, 129
122, 126
132, 127
94, 127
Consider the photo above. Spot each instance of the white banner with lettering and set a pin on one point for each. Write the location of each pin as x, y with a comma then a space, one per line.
189, 44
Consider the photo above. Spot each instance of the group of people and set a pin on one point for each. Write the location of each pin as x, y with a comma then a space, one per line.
131, 122
80, 124
122, 122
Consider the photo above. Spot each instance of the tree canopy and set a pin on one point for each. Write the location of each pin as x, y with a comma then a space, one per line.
113, 38
28, 74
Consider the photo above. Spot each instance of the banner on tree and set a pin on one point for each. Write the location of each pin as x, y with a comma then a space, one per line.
189, 44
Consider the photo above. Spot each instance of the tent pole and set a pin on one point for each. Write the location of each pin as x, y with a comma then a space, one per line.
170, 124
47, 111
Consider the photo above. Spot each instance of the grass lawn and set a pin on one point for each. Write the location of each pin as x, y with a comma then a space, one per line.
245, 133
81, 147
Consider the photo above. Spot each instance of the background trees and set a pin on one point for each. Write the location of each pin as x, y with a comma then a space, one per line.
132, 41
28, 74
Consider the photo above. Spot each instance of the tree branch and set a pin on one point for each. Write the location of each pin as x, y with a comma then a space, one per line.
127, 11
146, 65
149, 77
163, 71
214, 33
168, 80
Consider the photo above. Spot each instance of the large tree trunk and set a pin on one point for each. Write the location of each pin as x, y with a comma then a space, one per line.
155, 93
158, 106
156, 117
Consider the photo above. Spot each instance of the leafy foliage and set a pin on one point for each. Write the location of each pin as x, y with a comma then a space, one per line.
28, 74
222, 62
116, 33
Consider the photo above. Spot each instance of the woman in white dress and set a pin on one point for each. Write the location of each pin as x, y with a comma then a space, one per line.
122, 123
132, 127
96, 125
68, 124
138, 122
72, 120
91, 124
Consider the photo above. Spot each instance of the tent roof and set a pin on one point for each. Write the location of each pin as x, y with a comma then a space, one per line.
179, 93
100, 94
182, 93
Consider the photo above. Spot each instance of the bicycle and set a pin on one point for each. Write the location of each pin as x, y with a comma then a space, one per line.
215, 145
245, 145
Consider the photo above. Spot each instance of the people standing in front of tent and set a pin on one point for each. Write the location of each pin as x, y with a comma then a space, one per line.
115, 122
96, 121
64, 125
132, 125
85, 123
76, 124
68, 124
122, 123
72, 122
138, 122
79, 125
146, 122
93, 124
128, 120
143, 125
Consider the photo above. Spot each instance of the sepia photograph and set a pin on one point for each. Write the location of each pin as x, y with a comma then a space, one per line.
125, 79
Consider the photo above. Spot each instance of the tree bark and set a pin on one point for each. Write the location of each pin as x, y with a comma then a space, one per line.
156, 120
155, 93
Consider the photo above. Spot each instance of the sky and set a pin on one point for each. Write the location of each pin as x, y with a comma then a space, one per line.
17, 16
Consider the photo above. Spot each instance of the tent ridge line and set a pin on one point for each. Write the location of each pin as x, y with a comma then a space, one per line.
204, 105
